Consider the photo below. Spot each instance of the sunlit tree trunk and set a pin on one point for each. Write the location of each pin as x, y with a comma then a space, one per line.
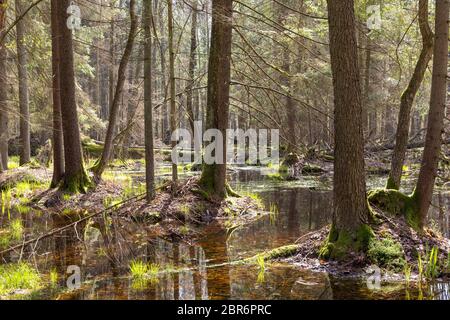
148, 107
173, 109
408, 97
192, 66
75, 177
351, 210
4, 136
213, 177
57, 142
22, 61
433, 141
108, 147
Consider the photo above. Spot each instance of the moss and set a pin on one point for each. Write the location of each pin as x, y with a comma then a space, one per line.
396, 203
78, 183
391, 184
340, 243
386, 253
277, 253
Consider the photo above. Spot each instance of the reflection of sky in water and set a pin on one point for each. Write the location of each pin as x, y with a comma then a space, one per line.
202, 270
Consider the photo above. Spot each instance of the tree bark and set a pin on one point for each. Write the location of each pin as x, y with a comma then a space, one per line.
407, 99
351, 211
435, 129
173, 109
57, 143
100, 167
192, 67
148, 108
4, 135
213, 177
75, 177
22, 61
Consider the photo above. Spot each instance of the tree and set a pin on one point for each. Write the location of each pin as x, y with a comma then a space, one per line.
108, 148
213, 178
424, 190
173, 109
3, 92
22, 61
192, 66
351, 213
57, 131
75, 177
148, 107
407, 99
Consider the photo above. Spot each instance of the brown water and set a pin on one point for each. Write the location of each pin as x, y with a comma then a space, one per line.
203, 270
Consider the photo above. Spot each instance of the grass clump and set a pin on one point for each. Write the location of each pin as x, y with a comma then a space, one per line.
14, 232
387, 253
18, 276
138, 269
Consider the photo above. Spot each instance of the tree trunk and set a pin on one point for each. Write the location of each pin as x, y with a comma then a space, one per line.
57, 143
75, 178
213, 177
148, 108
433, 141
173, 109
192, 66
407, 99
351, 213
22, 61
4, 135
100, 167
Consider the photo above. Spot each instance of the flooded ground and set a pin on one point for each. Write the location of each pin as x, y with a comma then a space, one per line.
201, 270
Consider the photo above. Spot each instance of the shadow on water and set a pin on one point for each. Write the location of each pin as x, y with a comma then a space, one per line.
103, 250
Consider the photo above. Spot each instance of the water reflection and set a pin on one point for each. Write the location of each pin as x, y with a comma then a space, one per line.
103, 249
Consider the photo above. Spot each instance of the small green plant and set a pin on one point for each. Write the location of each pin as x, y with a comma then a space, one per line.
432, 267
53, 277
6, 202
420, 267
66, 197
407, 272
18, 276
16, 229
260, 261
23, 209
138, 269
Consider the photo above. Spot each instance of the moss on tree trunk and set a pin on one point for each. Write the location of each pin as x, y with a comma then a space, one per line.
78, 183
341, 243
397, 204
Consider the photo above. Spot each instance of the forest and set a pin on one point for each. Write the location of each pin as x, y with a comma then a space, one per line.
224, 149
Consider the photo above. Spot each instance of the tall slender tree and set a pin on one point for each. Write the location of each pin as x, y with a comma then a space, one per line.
75, 177
351, 212
213, 178
173, 108
57, 141
108, 148
22, 61
192, 67
148, 107
407, 99
433, 142
3, 92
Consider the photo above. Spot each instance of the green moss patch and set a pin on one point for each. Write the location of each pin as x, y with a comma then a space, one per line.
386, 253
340, 244
396, 203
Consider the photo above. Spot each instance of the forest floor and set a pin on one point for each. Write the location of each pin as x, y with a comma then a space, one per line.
396, 248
